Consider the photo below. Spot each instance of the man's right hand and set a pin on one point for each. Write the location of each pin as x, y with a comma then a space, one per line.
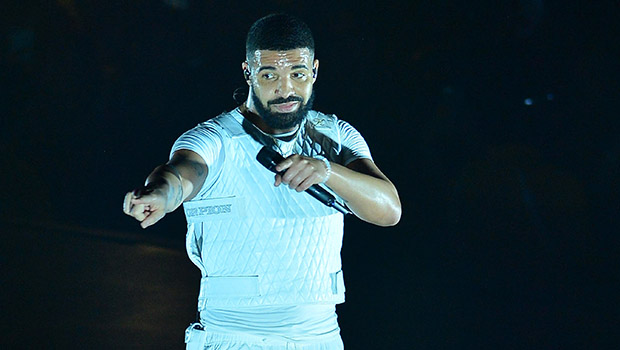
166, 188
146, 204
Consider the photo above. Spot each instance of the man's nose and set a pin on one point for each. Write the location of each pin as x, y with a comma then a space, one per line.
285, 87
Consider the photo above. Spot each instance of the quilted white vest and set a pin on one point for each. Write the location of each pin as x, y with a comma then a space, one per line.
257, 244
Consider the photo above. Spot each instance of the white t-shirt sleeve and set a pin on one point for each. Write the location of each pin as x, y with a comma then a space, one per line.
205, 140
353, 144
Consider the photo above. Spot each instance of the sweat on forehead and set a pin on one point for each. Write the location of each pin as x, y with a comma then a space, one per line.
281, 58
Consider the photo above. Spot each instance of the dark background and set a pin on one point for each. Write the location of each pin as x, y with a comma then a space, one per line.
496, 120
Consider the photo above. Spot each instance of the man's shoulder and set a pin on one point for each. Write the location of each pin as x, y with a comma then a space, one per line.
320, 119
218, 120
219, 124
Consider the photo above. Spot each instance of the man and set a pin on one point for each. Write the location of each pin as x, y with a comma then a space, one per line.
268, 252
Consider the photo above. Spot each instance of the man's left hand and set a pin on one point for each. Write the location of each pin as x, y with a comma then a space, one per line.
301, 172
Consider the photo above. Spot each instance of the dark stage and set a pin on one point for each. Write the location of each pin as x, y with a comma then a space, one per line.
496, 120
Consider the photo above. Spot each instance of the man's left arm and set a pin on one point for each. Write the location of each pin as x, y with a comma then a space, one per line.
367, 191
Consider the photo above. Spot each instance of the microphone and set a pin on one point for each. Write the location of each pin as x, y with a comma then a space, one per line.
270, 158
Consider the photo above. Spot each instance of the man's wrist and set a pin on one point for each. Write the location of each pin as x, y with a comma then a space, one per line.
328, 167
175, 191
167, 180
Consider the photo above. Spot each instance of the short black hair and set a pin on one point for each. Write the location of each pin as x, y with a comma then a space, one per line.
278, 32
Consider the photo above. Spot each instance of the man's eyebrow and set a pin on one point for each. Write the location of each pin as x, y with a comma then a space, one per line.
266, 67
297, 66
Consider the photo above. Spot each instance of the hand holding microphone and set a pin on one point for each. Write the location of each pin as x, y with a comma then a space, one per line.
300, 173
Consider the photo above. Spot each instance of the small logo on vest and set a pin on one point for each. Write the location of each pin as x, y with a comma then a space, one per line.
209, 210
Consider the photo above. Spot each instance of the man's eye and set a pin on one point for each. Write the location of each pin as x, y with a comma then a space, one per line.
299, 75
268, 76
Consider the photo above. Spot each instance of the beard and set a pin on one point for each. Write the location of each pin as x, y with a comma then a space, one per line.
283, 121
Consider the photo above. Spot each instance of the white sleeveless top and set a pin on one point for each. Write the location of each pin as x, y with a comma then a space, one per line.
266, 253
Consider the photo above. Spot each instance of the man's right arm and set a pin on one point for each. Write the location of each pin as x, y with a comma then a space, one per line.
166, 188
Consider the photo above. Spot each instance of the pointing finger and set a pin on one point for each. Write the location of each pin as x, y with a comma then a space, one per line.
127, 203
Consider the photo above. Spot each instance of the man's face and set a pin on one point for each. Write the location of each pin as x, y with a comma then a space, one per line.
281, 85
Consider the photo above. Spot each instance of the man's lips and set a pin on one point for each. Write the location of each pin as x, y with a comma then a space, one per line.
286, 107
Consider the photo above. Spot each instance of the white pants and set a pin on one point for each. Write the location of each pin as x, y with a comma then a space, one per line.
215, 341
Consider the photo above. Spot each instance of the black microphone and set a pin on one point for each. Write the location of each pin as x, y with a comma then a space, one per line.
270, 158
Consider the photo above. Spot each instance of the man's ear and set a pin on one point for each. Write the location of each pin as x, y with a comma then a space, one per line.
315, 70
246, 71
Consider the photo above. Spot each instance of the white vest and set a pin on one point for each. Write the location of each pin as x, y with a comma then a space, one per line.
257, 244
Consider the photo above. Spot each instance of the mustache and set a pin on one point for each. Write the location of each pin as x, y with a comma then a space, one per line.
285, 100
